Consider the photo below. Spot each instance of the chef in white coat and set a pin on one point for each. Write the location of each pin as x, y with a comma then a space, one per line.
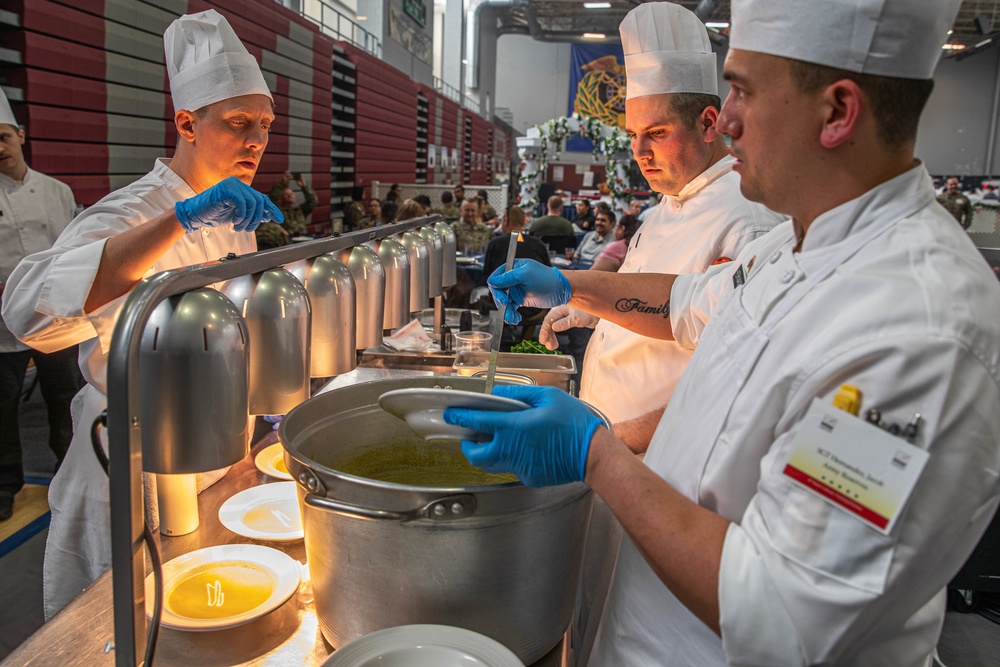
671, 114
769, 525
194, 208
34, 210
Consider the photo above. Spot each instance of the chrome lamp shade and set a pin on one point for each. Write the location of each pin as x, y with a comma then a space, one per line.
419, 256
194, 369
277, 312
396, 264
449, 267
331, 291
369, 283
436, 245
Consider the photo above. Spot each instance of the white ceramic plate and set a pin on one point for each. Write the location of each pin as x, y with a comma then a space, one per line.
266, 512
271, 461
423, 410
424, 646
223, 586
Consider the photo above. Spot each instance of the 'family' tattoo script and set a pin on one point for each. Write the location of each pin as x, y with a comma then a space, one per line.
640, 306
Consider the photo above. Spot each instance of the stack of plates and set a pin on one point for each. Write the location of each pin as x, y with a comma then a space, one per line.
424, 646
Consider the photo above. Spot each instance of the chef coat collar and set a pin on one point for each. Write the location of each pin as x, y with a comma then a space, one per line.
881, 206
170, 177
8, 183
702, 180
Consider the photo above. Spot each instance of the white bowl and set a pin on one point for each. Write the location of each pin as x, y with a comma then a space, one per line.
276, 570
423, 410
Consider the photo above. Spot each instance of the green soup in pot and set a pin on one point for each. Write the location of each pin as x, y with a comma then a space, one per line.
436, 463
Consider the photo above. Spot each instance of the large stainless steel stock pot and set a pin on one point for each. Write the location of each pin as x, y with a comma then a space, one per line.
502, 560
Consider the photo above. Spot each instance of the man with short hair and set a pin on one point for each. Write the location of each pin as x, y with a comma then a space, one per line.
459, 192
596, 240
770, 522
296, 215
196, 207
552, 224
471, 236
956, 203
34, 210
584, 215
449, 211
671, 115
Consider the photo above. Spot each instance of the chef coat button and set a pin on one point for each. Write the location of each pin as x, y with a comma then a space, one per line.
678, 206
787, 276
32, 190
776, 256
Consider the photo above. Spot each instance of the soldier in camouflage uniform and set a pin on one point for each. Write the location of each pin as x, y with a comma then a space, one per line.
271, 235
469, 232
296, 217
448, 210
956, 203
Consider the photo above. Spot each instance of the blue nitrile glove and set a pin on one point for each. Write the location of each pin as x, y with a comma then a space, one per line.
544, 445
228, 201
273, 419
530, 284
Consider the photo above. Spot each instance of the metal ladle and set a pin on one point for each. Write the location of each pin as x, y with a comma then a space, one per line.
491, 370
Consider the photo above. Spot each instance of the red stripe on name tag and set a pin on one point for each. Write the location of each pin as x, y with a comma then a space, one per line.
837, 497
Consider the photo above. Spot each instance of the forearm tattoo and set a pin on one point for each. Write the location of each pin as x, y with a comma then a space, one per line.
640, 306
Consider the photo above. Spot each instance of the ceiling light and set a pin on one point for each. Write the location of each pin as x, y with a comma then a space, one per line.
362, 18
952, 47
597, 5
718, 25
594, 35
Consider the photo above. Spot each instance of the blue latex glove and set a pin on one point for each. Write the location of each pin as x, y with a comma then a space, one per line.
530, 284
544, 445
273, 419
228, 201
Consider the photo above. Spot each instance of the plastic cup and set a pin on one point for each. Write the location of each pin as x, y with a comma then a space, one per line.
473, 341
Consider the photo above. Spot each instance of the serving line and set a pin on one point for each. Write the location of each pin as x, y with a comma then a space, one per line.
83, 634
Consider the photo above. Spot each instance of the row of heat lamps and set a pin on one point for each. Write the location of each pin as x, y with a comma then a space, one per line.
211, 359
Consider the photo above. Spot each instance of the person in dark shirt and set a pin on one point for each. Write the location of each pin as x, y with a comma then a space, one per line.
584, 215
530, 247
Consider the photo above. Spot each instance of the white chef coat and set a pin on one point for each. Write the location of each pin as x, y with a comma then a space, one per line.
888, 295
626, 375
43, 305
33, 213
591, 245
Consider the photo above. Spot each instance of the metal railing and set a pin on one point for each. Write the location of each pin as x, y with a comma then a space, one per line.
338, 26
449, 91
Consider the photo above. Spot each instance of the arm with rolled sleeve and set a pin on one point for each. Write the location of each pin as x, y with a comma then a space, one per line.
802, 582
309, 205
43, 304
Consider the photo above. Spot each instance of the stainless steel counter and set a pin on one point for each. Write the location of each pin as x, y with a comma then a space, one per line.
82, 634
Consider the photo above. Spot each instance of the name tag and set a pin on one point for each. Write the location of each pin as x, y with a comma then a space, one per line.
855, 466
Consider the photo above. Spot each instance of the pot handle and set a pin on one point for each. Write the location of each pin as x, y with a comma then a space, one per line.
448, 508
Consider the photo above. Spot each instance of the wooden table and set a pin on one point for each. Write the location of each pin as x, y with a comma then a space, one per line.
82, 633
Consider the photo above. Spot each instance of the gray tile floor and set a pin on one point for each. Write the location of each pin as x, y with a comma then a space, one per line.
968, 640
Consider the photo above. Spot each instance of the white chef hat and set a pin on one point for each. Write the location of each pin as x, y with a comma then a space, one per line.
666, 51
894, 38
207, 62
6, 114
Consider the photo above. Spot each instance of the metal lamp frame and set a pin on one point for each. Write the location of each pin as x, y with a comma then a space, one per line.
125, 424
